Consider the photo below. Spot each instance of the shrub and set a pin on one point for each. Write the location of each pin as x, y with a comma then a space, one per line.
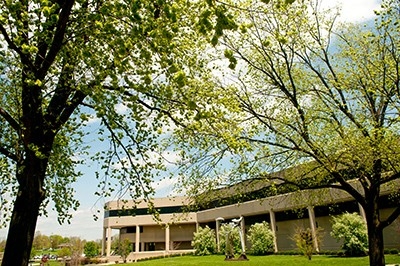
204, 241
64, 252
352, 229
392, 251
91, 249
304, 241
234, 238
261, 238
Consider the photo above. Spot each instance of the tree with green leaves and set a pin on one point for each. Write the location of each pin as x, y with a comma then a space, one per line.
56, 240
125, 247
76, 246
91, 249
317, 99
64, 252
131, 65
41, 242
304, 240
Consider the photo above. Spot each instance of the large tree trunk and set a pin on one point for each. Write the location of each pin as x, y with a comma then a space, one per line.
375, 245
24, 217
375, 230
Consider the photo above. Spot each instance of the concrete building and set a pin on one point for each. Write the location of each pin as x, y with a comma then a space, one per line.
170, 231
173, 231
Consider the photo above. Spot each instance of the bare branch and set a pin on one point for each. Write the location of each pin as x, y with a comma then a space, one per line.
148, 106
392, 217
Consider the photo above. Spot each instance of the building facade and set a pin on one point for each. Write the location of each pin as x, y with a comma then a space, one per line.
173, 230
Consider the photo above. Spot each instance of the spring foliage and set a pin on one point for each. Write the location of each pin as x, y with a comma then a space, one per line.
91, 249
352, 230
261, 238
204, 241
304, 241
312, 96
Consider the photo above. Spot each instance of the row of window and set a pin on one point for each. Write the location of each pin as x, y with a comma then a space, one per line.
143, 211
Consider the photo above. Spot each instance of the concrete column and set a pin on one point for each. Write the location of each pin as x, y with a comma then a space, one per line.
273, 229
108, 252
362, 212
103, 242
137, 239
167, 237
313, 226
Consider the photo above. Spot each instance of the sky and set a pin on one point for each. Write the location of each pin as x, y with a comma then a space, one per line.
83, 224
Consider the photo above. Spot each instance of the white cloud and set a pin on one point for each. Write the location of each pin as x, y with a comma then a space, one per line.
93, 120
168, 158
165, 187
354, 10
82, 225
171, 157
121, 108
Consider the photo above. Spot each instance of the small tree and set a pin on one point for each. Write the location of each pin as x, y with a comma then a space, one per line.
125, 248
204, 241
76, 245
56, 240
91, 249
261, 238
304, 241
352, 229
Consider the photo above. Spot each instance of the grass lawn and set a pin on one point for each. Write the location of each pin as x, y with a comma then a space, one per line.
271, 260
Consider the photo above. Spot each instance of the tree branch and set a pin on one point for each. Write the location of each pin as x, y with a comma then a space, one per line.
58, 37
8, 154
11, 121
76, 100
24, 57
118, 142
148, 106
389, 178
392, 217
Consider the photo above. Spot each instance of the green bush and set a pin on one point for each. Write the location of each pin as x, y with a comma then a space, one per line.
351, 228
91, 249
393, 251
261, 238
204, 241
